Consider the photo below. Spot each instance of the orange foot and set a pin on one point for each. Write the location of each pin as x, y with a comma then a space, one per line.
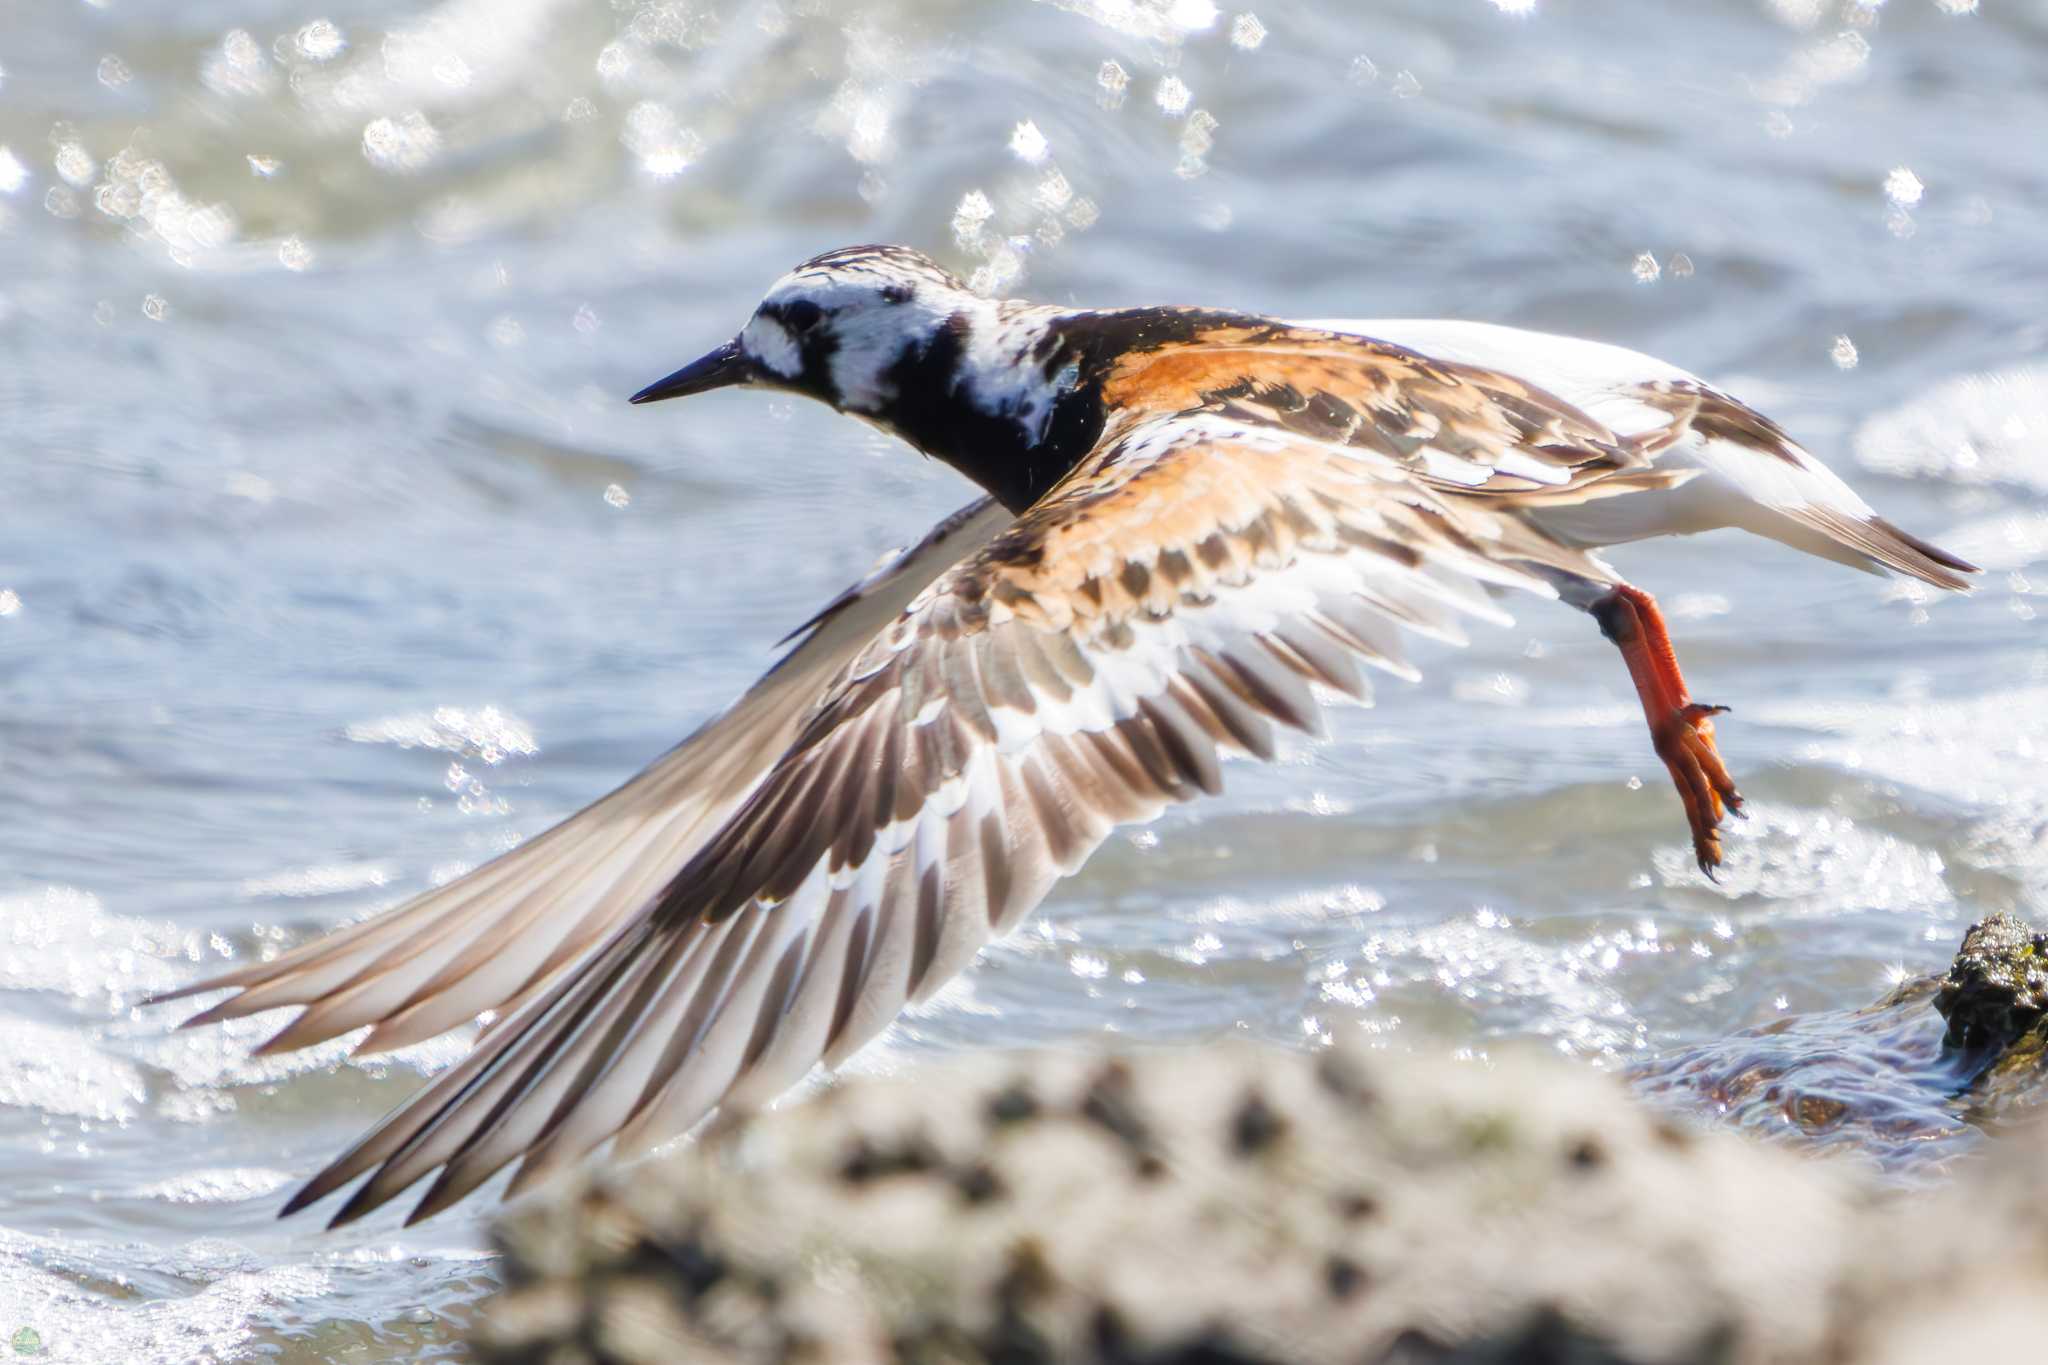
1685, 741
1681, 728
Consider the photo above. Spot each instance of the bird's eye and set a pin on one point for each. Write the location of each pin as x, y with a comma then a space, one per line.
802, 315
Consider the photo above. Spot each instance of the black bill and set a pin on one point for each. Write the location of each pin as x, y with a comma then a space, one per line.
722, 368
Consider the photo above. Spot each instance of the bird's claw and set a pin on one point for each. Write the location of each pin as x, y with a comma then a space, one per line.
1685, 741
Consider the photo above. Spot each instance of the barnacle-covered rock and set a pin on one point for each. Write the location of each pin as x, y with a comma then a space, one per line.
1226, 1205
1997, 988
1240, 1206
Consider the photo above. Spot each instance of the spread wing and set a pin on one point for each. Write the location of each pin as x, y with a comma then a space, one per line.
501, 934
1174, 600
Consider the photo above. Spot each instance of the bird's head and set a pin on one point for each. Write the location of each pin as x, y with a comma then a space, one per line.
843, 328
1002, 391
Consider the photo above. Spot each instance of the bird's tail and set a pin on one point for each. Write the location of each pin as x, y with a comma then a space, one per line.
1874, 538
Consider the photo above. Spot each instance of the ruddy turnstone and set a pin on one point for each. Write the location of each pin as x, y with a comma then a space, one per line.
1194, 519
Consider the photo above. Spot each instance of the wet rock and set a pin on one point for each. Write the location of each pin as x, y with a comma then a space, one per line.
1913, 1081
1879, 1081
1996, 990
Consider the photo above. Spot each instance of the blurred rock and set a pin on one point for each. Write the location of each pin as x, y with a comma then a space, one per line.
1225, 1205
1238, 1206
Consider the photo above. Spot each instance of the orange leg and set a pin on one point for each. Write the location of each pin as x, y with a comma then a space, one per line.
1680, 727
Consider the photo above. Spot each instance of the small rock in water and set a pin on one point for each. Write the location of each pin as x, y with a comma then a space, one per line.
1996, 990
1913, 1080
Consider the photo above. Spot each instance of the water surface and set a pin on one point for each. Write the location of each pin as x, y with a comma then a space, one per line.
332, 559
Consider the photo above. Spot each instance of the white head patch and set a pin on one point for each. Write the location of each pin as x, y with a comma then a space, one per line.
874, 305
770, 343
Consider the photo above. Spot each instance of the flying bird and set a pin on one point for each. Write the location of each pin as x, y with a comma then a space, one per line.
1193, 521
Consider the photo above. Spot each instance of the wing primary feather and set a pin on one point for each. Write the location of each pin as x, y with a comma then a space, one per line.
703, 1052
623, 1066
1366, 633
793, 1039
1193, 753
1250, 730
930, 901
333, 959
416, 1124
393, 1130
1144, 742
1062, 840
558, 1076
403, 1124
1888, 545
376, 991
861, 923
507, 1111
520, 964
884, 986
964, 917
990, 832
1118, 759
1269, 685
1317, 656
